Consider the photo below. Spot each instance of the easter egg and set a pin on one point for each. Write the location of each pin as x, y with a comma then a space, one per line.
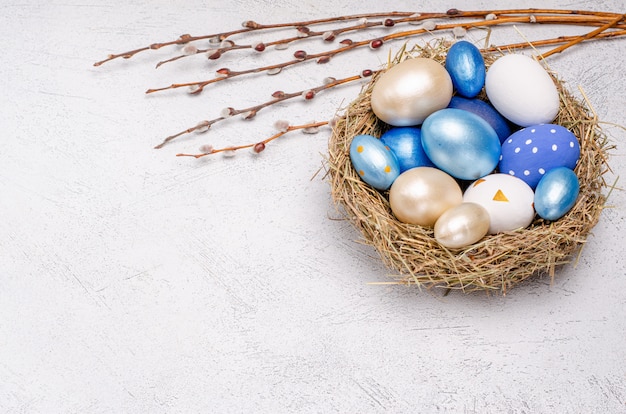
486, 112
531, 152
410, 91
521, 90
420, 195
466, 67
556, 193
462, 225
460, 143
373, 161
406, 144
507, 199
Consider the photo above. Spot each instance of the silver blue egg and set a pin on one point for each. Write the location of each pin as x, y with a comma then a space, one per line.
466, 67
556, 193
486, 112
374, 161
460, 143
406, 144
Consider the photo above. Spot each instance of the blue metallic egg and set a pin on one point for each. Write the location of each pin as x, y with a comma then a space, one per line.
486, 112
556, 193
466, 67
531, 152
374, 161
406, 144
460, 143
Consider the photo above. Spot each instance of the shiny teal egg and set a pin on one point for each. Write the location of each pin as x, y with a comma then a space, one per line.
461, 143
406, 144
374, 161
556, 193
466, 67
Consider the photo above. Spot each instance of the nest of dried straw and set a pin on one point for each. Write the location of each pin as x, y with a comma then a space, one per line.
497, 262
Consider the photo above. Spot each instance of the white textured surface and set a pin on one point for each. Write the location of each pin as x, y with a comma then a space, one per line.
134, 281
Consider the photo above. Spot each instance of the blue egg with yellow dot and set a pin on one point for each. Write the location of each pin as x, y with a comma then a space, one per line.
533, 151
406, 145
466, 67
556, 193
375, 163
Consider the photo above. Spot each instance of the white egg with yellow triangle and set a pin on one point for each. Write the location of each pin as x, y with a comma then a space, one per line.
507, 199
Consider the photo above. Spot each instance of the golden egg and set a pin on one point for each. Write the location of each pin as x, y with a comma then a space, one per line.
420, 195
410, 91
462, 225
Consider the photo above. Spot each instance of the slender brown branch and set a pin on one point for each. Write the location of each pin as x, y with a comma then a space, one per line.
253, 110
574, 19
553, 41
250, 26
279, 134
312, 34
408, 16
411, 19
588, 36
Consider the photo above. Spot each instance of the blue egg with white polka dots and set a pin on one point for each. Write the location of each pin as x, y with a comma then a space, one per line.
533, 151
374, 161
466, 67
556, 193
406, 144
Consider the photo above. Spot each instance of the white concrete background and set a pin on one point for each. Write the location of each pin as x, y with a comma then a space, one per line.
132, 281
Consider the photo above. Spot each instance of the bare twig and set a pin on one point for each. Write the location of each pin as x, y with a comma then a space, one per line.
259, 146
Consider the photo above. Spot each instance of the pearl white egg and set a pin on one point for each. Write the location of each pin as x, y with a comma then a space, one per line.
462, 225
410, 91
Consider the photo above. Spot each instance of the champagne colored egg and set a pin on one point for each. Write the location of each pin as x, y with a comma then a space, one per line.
507, 199
420, 195
521, 90
373, 161
462, 225
461, 143
556, 193
410, 91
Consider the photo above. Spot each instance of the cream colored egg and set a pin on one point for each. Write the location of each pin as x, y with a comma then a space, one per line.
420, 195
522, 91
507, 199
410, 91
462, 225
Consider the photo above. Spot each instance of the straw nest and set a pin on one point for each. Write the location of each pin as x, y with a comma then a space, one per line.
497, 262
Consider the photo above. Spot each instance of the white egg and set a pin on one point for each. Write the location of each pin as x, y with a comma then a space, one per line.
507, 199
522, 91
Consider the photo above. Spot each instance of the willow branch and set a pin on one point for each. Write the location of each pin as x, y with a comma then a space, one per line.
259, 146
198, 86
588, 36
249, 26
402, 17
279, 96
